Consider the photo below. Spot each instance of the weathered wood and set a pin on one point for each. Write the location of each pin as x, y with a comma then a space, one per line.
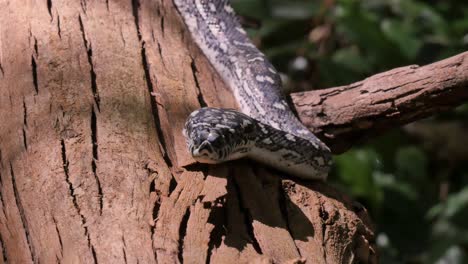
93, 165
346, 115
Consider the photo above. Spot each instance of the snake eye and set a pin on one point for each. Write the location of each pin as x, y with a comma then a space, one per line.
212, 137
248, 129
215, 140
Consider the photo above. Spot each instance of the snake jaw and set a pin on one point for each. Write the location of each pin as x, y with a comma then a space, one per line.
204, 153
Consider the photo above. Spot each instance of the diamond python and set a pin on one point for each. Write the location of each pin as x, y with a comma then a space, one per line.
266, 130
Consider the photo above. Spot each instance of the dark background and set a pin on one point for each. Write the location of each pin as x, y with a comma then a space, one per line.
413, 180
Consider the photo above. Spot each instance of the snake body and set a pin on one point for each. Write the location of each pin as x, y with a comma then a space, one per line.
266, 130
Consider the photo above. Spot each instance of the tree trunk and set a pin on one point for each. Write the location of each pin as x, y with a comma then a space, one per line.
93, 164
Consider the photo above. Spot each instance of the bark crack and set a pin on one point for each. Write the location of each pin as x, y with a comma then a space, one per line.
59, 236
149, 84
49, 8
25, 124
34, 74
25, 141
1, 192
83, 6
182, 233
162, 26
402, 95
401, 85
135, 8
93, 251
65, 164
154, 106
36, 50
161, 54
123, 249
2, 245
94, 140
201, 99
59, 29
152, 189
89, 52
25, 113
24, 221
2, 71
122, 37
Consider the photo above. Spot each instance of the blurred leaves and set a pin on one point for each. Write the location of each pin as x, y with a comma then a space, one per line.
450, 230
355, 169
367, 36
414, 181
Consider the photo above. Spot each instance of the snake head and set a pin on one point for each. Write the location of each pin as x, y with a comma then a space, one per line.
205, 145
214, 135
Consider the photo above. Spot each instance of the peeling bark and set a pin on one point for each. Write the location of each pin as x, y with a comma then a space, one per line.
94, 167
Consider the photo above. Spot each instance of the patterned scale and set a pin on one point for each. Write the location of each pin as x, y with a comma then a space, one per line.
282, 141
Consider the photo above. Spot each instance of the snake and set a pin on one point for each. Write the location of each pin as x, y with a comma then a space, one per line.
264, 129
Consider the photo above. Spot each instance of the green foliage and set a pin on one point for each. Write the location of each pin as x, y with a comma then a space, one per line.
417, 196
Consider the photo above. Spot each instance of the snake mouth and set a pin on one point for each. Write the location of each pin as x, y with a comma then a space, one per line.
204, 153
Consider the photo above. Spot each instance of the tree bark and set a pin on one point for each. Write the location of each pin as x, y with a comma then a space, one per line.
93, 164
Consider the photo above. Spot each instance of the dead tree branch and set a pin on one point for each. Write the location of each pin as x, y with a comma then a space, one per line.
345, 115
